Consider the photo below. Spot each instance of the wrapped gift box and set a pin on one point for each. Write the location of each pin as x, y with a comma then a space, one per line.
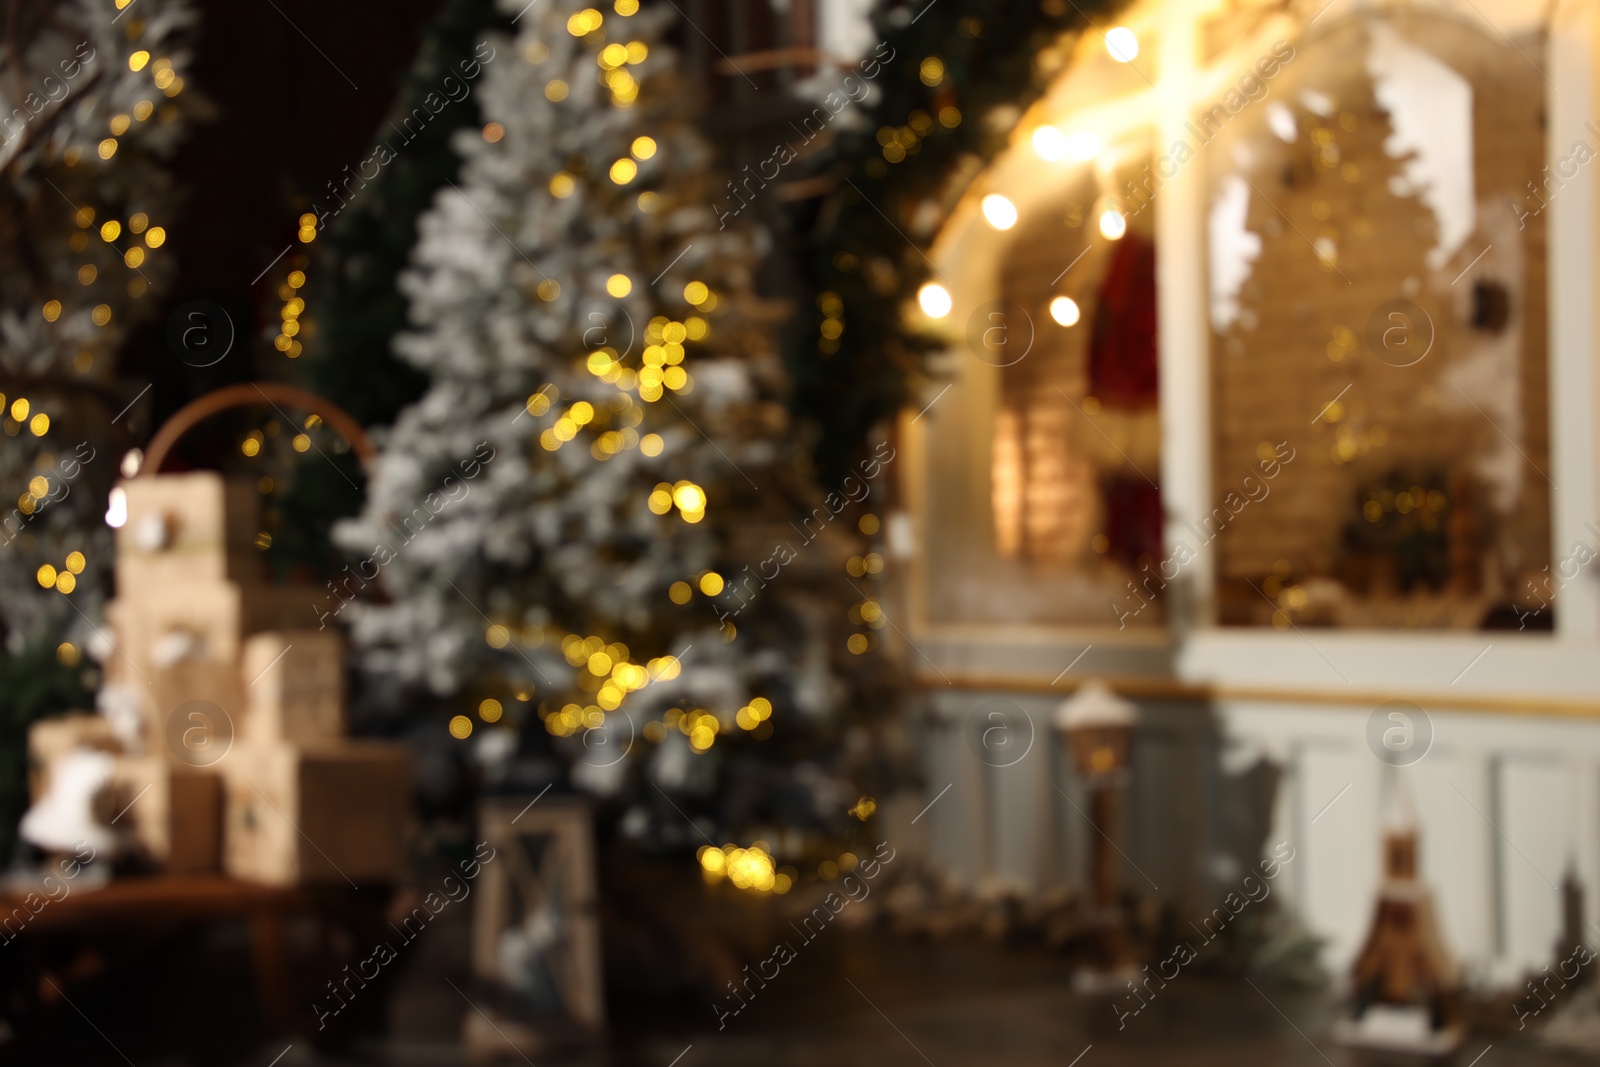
173, 812
332, 813
294, 686
185, 528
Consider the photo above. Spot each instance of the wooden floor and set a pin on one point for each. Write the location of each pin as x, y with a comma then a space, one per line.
850, 999
882, 1002
870, 1000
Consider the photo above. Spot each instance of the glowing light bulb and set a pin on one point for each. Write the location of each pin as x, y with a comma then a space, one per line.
117, 509
1065, 311
935, 300
1112, 224
689, 498
1122, 43
1049, 143
1082, 146
1001, 213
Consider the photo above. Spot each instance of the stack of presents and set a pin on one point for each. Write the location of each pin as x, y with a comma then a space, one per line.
220, 742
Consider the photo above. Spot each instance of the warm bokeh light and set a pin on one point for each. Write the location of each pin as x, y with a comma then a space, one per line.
1049, 143
1112, 224
935, 300
1000, 212
1065, 311
1123, 44
689, 497
1082, 146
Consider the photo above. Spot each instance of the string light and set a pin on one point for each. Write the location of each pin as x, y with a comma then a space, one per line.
117, 508
1049, 143
750, 868
290, 326
935, 300
1082, 146
1000, 212
1123, 44
1112, 224
585, 22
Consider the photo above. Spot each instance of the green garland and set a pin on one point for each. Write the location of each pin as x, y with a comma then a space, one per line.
950, 67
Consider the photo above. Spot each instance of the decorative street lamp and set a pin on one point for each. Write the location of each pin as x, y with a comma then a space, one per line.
1098, 727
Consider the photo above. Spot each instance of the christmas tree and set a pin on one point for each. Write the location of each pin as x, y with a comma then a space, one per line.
87, 117
89, 111
949, 81
594, 513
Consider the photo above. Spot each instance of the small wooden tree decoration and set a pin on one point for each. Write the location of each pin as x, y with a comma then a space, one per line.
1405, 982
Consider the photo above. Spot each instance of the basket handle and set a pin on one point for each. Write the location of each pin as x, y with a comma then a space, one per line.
238, 396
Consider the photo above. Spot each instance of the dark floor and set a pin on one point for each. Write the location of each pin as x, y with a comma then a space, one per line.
850, 998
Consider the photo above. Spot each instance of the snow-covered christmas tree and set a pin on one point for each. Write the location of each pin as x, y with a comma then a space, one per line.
90, 108
597, 512
89, 111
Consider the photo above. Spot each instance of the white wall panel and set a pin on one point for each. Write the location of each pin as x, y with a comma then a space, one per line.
1457, 855
1533, 795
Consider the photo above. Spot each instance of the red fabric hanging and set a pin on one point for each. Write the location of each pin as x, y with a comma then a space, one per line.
1133, 520
1122, 356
